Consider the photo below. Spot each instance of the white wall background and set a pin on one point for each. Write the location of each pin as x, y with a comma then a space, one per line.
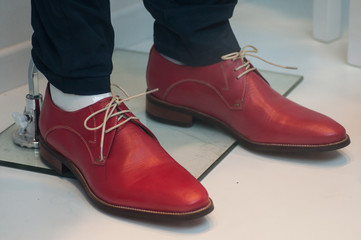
15, 34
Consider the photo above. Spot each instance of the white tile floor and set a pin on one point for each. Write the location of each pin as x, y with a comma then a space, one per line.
257, 196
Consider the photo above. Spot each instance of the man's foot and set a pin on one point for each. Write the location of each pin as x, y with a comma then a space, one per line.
119, 162
232, 94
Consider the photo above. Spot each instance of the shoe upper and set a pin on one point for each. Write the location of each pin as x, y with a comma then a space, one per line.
131, 169
242, 100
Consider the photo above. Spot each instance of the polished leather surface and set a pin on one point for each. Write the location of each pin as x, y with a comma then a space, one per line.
248, 105
136, 172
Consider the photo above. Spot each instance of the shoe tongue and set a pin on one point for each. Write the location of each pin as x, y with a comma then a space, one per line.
103, 102
133, 124
135, 121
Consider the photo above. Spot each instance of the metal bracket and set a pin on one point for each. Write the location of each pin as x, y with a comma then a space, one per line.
28, 133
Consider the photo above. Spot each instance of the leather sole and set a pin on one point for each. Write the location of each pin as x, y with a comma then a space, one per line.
61, 164
183, 116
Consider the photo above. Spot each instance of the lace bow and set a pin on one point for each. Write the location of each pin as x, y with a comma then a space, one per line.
248, 50
111, 110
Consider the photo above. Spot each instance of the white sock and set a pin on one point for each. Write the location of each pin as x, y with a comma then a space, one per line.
172, 60
72, 102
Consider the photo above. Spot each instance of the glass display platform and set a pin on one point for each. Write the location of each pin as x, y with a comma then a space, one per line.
198, 148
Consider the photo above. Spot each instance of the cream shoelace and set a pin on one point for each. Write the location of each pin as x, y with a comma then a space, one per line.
247, 51
111, 111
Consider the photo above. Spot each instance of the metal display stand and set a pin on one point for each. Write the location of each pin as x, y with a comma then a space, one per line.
27, 134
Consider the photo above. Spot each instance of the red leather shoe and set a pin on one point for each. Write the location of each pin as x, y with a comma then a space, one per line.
233, 95
119, 162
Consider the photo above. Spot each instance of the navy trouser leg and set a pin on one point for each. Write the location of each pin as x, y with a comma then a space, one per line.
73, 40
195, 32
73, 44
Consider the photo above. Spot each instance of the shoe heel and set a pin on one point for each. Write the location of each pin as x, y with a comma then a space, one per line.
51, 160
163, 112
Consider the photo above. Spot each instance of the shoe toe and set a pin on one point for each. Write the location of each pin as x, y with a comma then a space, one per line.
149, 178
327, 132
